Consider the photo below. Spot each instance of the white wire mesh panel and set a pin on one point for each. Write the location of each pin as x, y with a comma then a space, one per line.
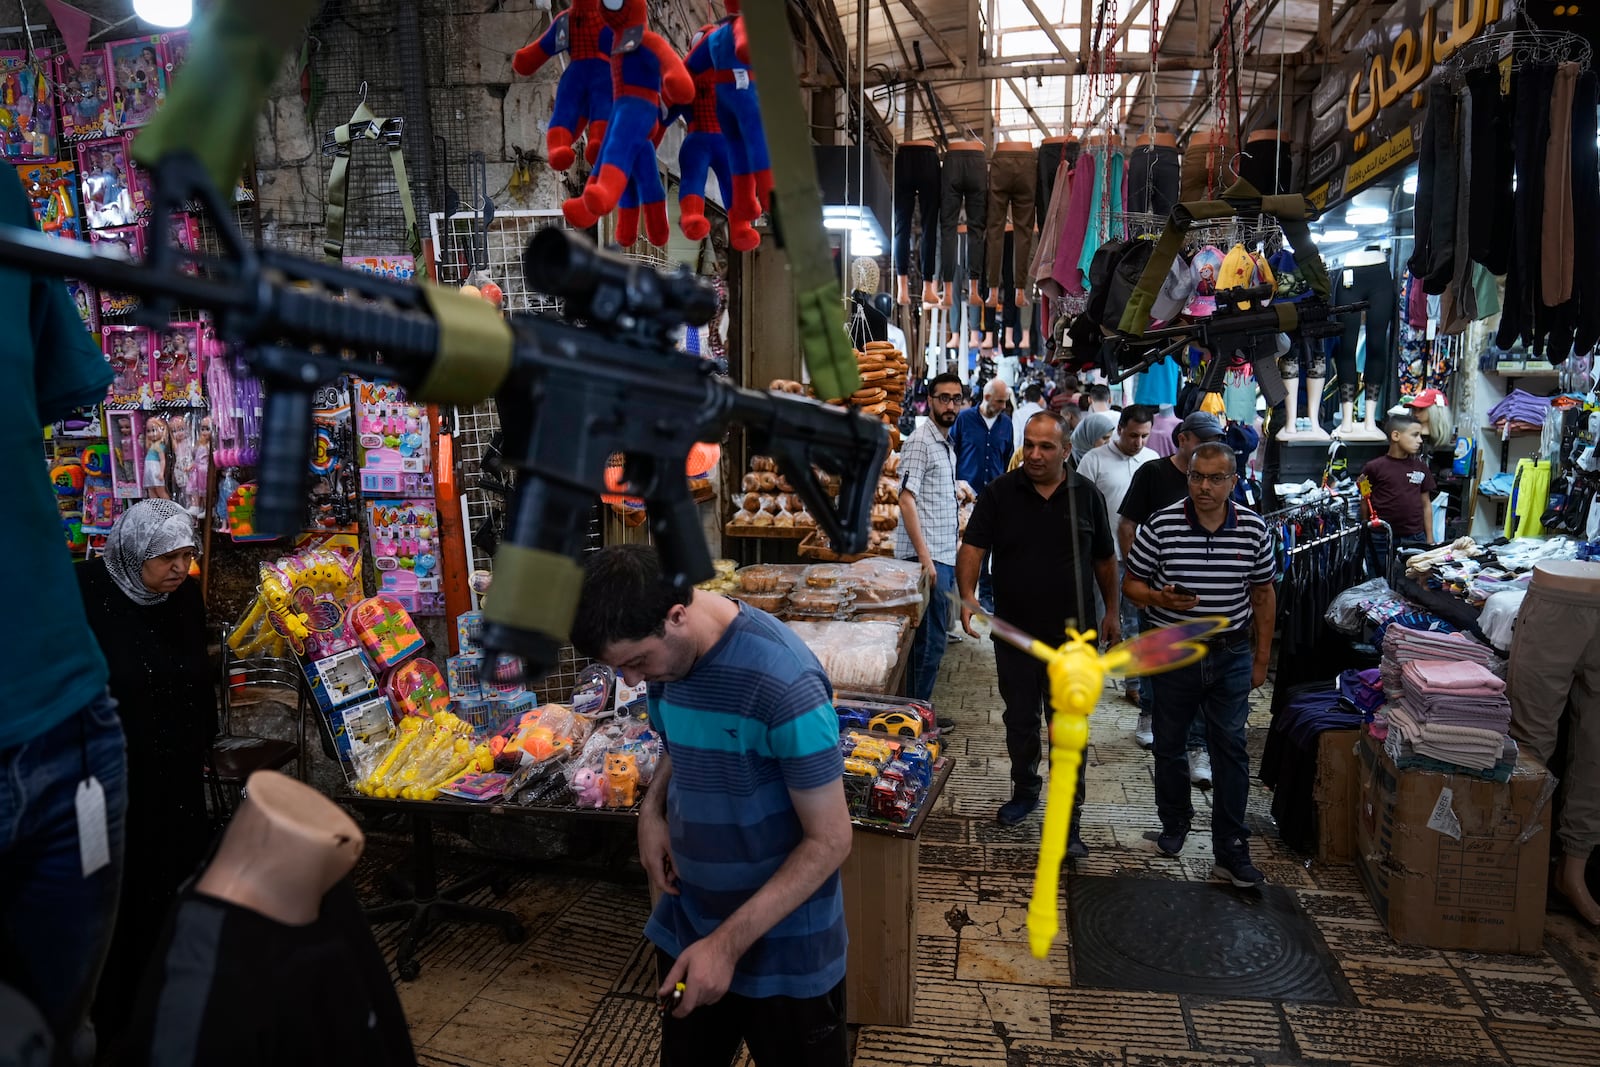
459, 244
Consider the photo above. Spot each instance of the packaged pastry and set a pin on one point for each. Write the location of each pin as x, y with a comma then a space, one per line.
829, 603
762, 518
783, 519
773, 603
769, 482
767, 578
763, 463
743, 518
752, 502
825, 575
804, 519
751, 482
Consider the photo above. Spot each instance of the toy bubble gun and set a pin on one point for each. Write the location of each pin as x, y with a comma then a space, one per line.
1077, 672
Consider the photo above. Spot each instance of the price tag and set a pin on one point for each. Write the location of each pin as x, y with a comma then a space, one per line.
94, 847
741, 79
1349, 277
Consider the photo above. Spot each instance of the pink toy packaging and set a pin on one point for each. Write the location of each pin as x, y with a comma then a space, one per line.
111, 195
175, 374
396, 442
130, 239
122, 432
85, 88
127, 349
405, 552
416, 687
138, 78
27, 107
385, 630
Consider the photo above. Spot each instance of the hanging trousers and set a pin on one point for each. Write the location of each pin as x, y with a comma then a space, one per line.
1374, 285
1491, 170
1050, 156
916, 185
964, 186
1557, 239
1013, 181
1555, 674
1207, 170
1438, 168
1153, 179
1520, 319
1268, 165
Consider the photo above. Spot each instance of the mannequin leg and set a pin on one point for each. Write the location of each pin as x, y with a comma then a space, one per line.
1291, 409
930, 293
1368, 430
1314, 411
1569, 882
1347, 403
902, 290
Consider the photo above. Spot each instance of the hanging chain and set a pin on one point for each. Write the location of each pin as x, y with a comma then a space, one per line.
1155, 62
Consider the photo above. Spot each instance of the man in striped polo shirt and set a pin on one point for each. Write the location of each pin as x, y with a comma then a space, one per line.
1200, 557
745, 825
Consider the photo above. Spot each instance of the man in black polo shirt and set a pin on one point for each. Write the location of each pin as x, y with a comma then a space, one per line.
1206, 556
1043, 570
1155, 486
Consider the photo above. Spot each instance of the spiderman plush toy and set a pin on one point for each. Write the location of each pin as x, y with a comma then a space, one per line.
705, 150
739, 109
584, 93
644, 72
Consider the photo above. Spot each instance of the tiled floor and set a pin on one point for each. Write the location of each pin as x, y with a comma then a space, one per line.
577, 992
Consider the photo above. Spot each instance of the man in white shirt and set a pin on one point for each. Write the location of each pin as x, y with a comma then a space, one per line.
1032, 404
1110, 468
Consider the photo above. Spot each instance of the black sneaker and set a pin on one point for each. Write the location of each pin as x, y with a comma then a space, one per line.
1076, 849
1016, 810
1233, 863
1170, 842
946, 725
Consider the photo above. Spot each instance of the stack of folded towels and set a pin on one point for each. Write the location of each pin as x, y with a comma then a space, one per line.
1453, 712
1404, 645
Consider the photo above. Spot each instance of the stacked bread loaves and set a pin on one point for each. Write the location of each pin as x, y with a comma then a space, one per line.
883, 386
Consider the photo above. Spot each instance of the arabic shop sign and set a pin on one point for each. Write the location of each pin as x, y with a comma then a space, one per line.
1367, 115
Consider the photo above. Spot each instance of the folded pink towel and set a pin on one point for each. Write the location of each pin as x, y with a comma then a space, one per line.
1433, 675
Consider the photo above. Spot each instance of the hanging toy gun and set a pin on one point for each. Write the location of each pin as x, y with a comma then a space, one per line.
569, 396
1077, 672
1238, 327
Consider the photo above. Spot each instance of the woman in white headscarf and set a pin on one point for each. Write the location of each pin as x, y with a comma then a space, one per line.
1092, 431
151, 624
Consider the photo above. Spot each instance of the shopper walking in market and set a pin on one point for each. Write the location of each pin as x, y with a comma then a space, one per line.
929, 526
1046, 531
150, 623
1153, 487
745, 824
62, 775
983, 441
1207, 556
1032, 401
1110, 469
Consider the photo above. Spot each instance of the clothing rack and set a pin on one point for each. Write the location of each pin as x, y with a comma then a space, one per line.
1524, 47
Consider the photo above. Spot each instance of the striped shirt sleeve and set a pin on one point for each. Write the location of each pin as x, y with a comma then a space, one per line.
1142, 557
803, 731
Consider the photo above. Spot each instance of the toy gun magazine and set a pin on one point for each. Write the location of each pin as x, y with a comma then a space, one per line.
602, 377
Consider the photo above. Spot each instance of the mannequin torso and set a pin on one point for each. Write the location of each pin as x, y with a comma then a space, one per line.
1014, 146
285, 848
1160, 140
965, 146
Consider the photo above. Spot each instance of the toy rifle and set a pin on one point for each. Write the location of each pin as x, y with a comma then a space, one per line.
569, 396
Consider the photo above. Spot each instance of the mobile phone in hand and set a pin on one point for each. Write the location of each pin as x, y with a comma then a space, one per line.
1183, 590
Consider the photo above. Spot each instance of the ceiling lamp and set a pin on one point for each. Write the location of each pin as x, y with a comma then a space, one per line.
168, 14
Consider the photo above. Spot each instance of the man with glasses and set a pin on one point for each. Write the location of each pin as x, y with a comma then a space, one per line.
983, 444
1153, 487
929, 524
1206, 556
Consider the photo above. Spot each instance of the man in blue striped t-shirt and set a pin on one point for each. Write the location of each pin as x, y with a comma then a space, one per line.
745, 825
1206, 556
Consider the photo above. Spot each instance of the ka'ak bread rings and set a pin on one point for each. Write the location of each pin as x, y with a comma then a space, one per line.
882, 374
879, 346
868, 396
873, 409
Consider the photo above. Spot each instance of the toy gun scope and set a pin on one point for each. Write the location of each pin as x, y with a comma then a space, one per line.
569, 397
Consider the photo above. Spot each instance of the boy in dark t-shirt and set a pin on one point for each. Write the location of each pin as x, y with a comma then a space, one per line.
1400, 489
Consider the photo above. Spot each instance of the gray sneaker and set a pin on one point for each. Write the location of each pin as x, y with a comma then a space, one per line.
1200, 767
1144, 734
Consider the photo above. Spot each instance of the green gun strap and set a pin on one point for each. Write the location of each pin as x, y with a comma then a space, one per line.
474, 348
371, 128
534, 590
1136, 313
797, 205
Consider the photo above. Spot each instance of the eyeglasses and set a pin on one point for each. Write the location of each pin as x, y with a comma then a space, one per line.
946, 398
1218, 480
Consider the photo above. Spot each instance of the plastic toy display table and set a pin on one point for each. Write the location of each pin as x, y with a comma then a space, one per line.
880, 893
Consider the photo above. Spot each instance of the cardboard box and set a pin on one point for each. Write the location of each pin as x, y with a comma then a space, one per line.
1335, 795
1452, 861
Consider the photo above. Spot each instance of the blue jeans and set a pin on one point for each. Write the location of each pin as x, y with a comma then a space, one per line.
986, 585
1196, 741
933, 634
1217, 692
55, 924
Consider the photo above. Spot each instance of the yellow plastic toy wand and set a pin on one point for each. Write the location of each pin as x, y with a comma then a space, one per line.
1077, 672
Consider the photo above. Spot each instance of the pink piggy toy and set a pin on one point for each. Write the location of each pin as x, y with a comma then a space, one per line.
589, 787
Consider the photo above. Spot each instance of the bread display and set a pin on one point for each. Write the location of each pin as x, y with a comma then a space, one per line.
831, 603
859, 655
772, 603
826, 575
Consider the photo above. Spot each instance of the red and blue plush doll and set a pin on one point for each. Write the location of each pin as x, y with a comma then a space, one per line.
739, 109
705, 151
645, 71
583, 96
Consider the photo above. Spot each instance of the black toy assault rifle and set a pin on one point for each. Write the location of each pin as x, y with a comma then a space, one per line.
569, 396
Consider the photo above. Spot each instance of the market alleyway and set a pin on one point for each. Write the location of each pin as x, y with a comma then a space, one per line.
579, 990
